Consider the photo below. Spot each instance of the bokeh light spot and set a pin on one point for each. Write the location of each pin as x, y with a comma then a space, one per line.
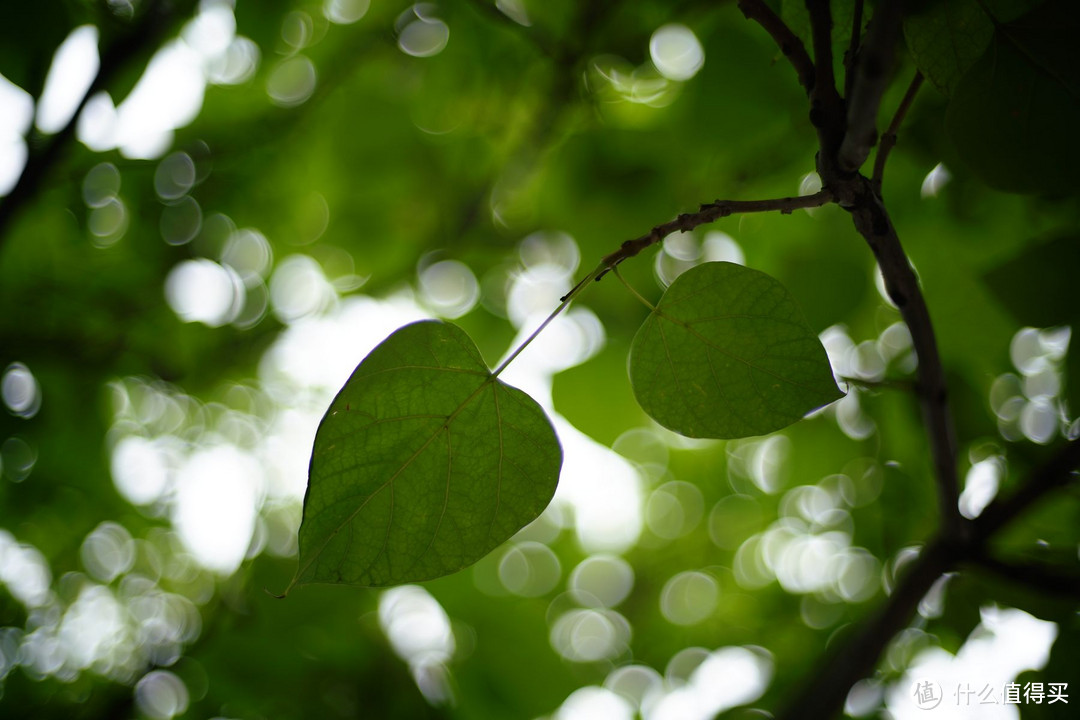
529, 569
161, 695
203, 291
20, 391
17, 458
676, 52
108, 551
420, 33
601, 580
73, 69
101, 184
292, 81
689, 598
345, 12
181, 221
174, 176
449, 288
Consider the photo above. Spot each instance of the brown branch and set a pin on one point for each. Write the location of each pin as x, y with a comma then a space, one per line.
852, 53
1058, 471
826, 105
788, 42
156, 21
888, 140
822, 696
711, 212
847, 662
1043, 579
873, 223
872, 74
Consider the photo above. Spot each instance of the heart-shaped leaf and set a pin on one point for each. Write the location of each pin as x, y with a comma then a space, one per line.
727, 354
423, 464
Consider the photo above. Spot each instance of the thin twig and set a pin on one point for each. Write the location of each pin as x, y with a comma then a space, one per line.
157, 19
873, 70
788, 42
852, 52
888, 140
710, 212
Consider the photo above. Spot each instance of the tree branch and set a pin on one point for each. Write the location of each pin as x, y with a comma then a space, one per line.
826, 105
872, 74
873, 223
788, 42
1043, 579
710, 212
156, 20
847, 662
852, 53
1057, 472
888, 140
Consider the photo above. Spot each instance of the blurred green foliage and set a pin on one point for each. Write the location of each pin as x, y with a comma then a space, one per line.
391, 163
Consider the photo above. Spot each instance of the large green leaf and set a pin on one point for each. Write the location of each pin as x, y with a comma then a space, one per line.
727, 354
1014, 114
422, 465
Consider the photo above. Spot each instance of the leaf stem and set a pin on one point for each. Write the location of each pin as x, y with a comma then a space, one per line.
630, 287
565, 301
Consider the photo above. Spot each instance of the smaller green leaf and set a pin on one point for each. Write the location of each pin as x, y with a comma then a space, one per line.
726, 353
423, 464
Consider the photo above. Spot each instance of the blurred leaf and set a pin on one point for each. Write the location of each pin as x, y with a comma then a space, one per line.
1014, 113
727, 354
422, 465
1038, 287
946, 37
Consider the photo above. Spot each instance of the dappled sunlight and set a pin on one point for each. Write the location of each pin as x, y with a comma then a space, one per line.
697, 684
529, 569
72, 71
935, 181
448, 288
345, 12
1028, 404
971, 683
20, 391
586, 635
601, 580
420, 31
676, 52
809, 549
195, 273
689, 598
419, 631
15, 120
